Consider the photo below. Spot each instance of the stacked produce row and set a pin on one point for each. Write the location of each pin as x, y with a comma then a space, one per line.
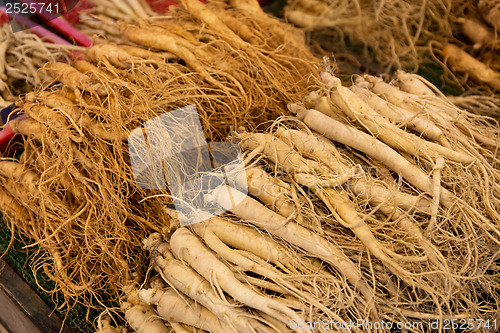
460, 36
370, 207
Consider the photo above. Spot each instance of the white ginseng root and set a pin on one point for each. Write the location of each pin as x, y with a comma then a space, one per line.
286, 284
344, 209
315, 245
174, 308
142, 317
326, 153
264, 247
270, 191
184, 279
104, 325
438, 108
357, 110
350, 136
400, 116
189, 248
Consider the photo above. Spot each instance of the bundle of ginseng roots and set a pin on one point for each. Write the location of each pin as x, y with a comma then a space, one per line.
462, 36
99, 21
374, 209
72, 191
22, 54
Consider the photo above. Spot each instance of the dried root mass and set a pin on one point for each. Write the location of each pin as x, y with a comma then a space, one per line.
342, 223
83, 206
461, 36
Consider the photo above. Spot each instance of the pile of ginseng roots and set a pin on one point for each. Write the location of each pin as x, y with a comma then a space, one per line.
376, 204
459, 36
22, 54
97, 19
72, 191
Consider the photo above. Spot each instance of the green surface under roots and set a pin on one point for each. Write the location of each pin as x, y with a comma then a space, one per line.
22, 260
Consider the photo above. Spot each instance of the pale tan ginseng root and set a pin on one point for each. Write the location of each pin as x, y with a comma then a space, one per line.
122, 10
251, 6
405, 100
86, 67
27, 126
309, 21
350, 136
253, 9
459, 125
76, 116
119, 56
314, 146
478, 32
418, 94
339, 203
282, 283
239, 27
326, 152
142, 318
212, 20
42, 118
104, 325
383, 193
10, 207
267, 63
71, 77
187, 247
277, 225
263, 250
179, 328
357, 110
24, 219
436, 182
186, 39
478, 104
198, 55
147, 55
400, 116
102, 24
210, 230
344, 210
12, 213
150, 37
269, 190
24, 185
342, 133
184, 279
53, 119
175, 308
412, 229
413, 84
110, 12
315, 100
31, 128
443, 113
262, 246
20, 174
463, 62
141, 8
106, 224
49, 173
490, 11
